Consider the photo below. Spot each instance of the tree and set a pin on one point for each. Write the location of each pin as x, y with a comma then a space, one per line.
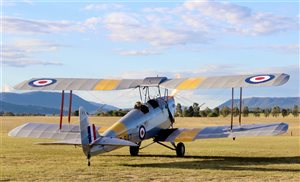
190, 111
8, 114
196, 110
235, 111
203, 114
76, 113
256, 111
178, 110
245, 111
212, 114
295, 111
284, 112
275, 111
185, 112
267, 112
225, 111
216, 111
207, 111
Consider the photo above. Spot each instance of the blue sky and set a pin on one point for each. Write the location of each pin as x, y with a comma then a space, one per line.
99, 39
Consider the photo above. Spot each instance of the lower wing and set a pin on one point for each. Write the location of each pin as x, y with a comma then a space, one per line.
185, 134
68, 135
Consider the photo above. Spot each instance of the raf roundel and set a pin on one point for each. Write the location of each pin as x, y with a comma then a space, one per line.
259, 79
42, 82
142, 132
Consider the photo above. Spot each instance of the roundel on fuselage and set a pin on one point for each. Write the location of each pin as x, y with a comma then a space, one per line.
142, 132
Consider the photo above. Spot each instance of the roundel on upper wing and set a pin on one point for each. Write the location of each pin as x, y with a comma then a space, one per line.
259, 79
142, 132
42, 82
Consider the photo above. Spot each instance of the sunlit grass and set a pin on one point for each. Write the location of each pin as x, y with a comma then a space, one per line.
249, 159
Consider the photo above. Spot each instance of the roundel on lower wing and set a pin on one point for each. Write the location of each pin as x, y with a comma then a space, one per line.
259, 79
42, 82
142, 132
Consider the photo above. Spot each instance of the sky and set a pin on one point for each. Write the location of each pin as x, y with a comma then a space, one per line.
136, 39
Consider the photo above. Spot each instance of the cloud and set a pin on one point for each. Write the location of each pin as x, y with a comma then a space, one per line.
17, 25
200, 22
20, 53
134, 27
103, 7
29, 62
238, 19
138, 52
280, 48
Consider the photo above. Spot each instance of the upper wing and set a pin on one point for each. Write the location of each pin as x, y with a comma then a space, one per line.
184, 134
77, 84
226, 81
180, 84
47, 131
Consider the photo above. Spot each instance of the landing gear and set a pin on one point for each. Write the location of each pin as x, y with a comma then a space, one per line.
88, 158
180, 149
134, 151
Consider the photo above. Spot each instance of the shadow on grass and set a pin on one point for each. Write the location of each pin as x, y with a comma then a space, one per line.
225, 163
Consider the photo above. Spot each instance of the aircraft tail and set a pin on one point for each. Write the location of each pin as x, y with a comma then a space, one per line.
90, 136
88, 132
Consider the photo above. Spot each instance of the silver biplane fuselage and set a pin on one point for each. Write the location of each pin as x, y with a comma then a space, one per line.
142, 122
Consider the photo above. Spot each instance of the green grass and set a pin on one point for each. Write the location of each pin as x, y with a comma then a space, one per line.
249, 159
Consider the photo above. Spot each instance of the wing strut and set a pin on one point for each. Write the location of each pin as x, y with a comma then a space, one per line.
70, 106
62, 108
241, 100
232, 100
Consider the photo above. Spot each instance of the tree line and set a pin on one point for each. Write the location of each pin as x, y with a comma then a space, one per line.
194, 111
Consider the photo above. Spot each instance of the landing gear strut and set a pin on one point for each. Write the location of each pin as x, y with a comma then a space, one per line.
179, 148
88, 158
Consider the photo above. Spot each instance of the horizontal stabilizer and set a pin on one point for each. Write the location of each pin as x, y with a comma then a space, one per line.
61, 142
185, 134
113, 142
46, 131
100, 141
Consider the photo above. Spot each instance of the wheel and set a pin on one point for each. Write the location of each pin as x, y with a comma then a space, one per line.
180, 149
134, 151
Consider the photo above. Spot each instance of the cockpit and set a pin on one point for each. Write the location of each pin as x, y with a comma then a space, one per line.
138, 105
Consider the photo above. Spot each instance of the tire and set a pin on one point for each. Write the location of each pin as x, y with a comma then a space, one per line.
180, 149
134, 151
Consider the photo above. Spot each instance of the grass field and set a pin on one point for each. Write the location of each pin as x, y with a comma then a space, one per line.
248, 159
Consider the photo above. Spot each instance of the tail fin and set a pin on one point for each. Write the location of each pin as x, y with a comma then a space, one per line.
88, 132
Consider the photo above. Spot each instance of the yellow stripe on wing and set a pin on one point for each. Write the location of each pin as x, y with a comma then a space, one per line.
190, 83
107, 84
187, 135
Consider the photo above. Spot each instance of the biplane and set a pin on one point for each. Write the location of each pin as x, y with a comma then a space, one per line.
151, 117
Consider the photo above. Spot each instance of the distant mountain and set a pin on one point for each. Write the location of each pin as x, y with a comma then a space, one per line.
265, 102
28, 109
48, 100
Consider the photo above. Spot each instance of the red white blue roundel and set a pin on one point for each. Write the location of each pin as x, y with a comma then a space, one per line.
42, 82
142, 132
259, 79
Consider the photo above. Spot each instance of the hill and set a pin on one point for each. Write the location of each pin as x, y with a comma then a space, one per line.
48, 102
265, 102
